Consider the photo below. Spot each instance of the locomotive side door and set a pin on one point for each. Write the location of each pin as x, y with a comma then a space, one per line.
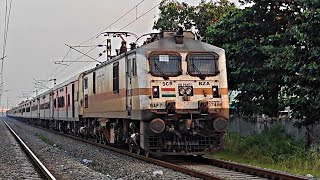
129, 84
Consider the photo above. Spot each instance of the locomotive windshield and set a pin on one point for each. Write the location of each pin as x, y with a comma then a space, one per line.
165, 65
202, 64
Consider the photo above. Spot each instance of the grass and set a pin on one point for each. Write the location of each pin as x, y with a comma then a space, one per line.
271, 149
44, 139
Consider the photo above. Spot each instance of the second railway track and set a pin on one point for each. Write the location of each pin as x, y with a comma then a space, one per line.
200, 167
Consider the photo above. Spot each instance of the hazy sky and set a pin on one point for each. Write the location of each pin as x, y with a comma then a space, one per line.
39, 29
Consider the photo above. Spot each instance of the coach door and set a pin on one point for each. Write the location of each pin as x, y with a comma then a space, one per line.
129, 85
72, 99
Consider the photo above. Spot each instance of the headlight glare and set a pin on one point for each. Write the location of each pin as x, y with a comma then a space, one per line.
182, 91
188, 91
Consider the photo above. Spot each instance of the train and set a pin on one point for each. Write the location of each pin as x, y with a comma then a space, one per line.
167, 97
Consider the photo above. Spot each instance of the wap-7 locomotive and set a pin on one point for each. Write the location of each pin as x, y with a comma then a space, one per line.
167, 97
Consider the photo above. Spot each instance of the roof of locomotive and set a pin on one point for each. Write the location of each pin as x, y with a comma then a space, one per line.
167, 43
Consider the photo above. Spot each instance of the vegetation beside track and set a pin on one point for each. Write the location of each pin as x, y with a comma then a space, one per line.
45, 139
271, 149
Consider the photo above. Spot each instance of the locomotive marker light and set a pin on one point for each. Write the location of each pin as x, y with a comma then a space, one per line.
215, 91
155, 92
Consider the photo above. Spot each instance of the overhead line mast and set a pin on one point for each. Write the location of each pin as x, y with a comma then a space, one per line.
5, 35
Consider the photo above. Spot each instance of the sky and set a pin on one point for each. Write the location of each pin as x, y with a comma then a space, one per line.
39, 30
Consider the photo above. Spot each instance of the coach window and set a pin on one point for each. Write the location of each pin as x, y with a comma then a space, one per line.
85, 83
68, 100
94, 83
116, 78
62, 101
165, 64
203, 64
86, 101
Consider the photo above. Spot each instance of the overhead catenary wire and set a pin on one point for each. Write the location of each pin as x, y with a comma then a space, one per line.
94, 47
59, 66
114, 22
135, 7
138, 17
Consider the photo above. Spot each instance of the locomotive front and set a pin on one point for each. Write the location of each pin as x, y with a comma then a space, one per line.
186, 111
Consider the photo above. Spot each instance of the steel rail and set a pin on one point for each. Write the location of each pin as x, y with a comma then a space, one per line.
34, 158
266, 173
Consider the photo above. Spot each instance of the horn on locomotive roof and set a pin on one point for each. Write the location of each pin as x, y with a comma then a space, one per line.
179, 36
155, 35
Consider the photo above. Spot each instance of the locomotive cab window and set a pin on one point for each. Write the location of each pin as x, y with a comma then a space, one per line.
165, 64
202, 64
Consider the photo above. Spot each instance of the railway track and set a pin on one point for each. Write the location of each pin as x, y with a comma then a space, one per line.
230, 170
199, 167
44, 171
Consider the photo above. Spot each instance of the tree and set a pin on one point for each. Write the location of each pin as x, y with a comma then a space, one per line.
174, 14
301, 54
274, 57
250, 38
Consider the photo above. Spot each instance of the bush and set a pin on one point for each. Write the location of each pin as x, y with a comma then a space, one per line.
273, 149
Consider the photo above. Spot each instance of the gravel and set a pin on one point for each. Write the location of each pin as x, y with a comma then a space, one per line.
223, 173
70, 159
14, 163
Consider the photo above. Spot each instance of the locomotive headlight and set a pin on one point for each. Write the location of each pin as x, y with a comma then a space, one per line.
182, 91
189, 91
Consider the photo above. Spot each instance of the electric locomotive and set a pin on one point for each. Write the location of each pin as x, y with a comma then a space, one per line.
166, 97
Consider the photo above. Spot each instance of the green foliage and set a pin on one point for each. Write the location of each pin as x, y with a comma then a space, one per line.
250, 38
174, 14
273, 57
272, 144
271, 149
303, 66
44, 139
